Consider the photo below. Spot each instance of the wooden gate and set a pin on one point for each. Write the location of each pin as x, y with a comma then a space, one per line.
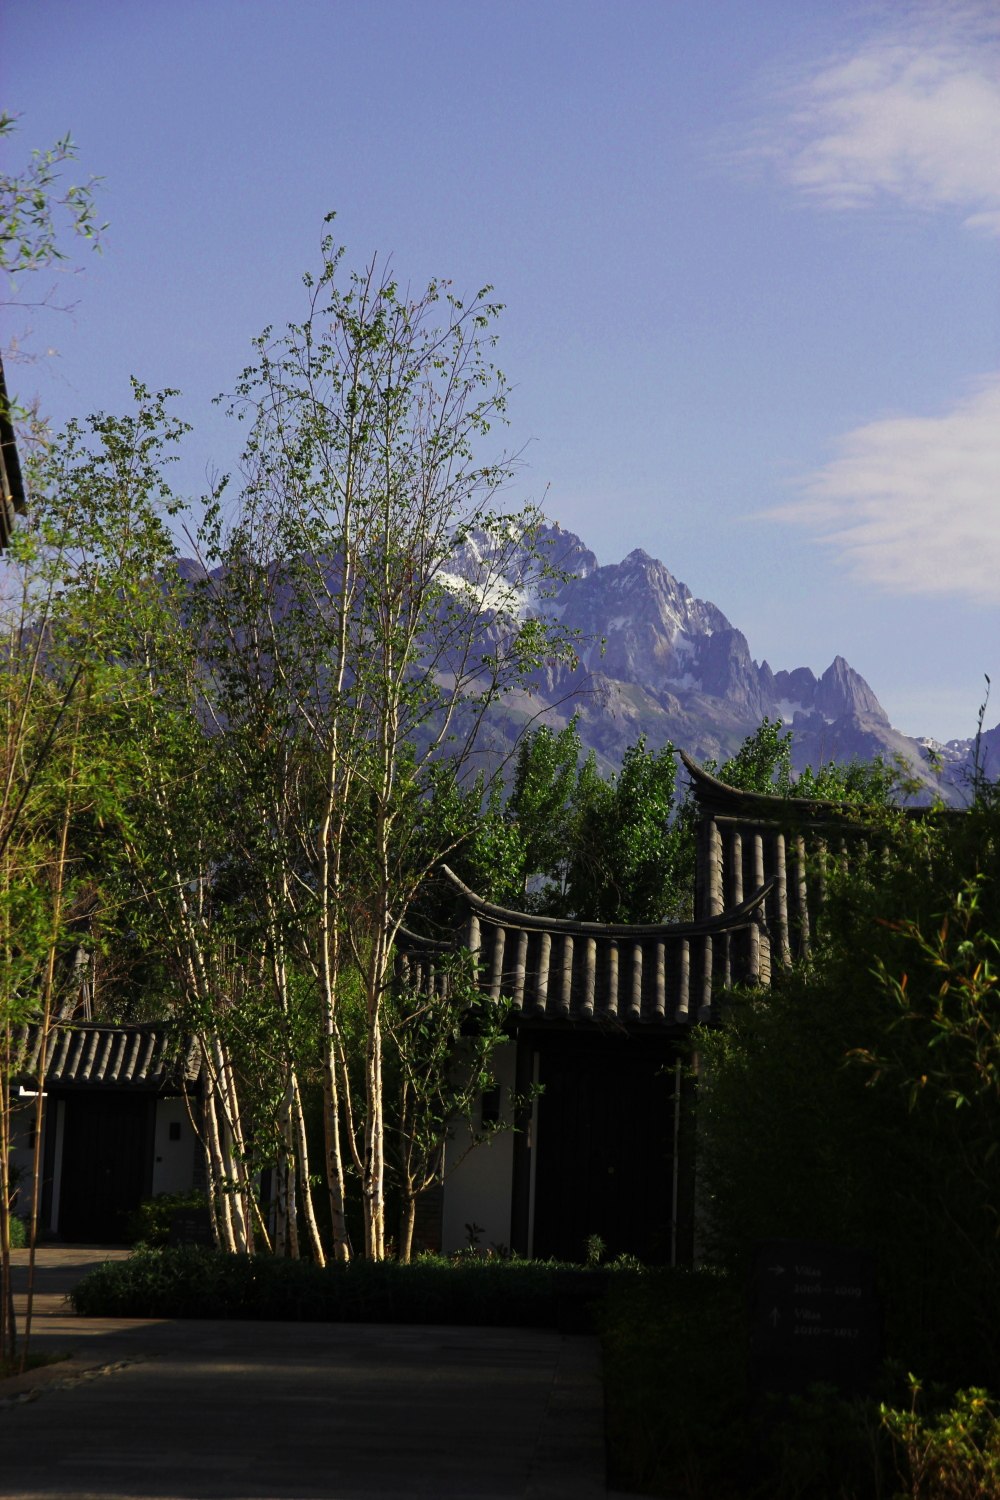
106, 1163
604, 1154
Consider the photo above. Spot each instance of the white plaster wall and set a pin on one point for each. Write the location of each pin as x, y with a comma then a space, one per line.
173, 1161
479, 1189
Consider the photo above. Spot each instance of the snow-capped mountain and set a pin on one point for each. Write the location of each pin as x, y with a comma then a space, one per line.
958, 758
655, 660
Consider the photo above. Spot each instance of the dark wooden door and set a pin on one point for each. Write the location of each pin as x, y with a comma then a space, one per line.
106, 1164
604, 1148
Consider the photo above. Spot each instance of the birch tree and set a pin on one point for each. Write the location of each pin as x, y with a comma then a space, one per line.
101, 512
382, 577
34, 819
53, 773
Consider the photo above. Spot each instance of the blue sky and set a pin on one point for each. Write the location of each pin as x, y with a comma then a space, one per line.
748, 253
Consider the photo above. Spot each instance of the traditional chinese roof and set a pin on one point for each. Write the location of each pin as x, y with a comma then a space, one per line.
749, 840
621, 974
145, 1056
715, 795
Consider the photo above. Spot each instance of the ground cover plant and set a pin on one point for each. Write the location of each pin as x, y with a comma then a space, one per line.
198, 1282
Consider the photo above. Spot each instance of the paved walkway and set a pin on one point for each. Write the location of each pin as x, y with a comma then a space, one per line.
296, 1411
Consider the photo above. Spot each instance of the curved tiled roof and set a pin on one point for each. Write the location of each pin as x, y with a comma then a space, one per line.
775, 807
150, 1055
633, 931
623, 974
769, 805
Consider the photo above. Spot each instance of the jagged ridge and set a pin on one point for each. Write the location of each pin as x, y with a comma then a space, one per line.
655, 660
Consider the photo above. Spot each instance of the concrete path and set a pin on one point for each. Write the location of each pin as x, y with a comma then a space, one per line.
296, 1411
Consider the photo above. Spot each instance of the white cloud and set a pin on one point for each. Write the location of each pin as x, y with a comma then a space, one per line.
912, 504
911, 114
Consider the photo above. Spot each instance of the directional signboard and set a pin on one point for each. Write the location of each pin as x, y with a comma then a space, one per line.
815, 1317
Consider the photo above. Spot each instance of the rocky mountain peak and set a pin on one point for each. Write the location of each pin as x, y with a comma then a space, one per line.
655, 660
841, 690
642, 624
563, 551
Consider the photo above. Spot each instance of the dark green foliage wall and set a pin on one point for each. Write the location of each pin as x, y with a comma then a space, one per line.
857, 1101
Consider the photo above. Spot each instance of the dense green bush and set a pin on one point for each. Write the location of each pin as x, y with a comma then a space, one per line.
675, 1384
194, 1282
18, 1233
855, 1102
149, 1224
684, 1421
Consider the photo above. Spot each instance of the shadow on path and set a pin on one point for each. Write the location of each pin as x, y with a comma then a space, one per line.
293, 1411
